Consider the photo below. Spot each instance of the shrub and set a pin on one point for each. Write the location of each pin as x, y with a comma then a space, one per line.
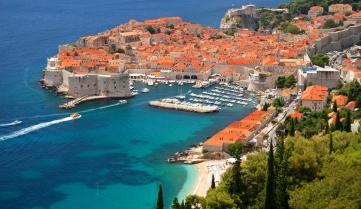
320, 59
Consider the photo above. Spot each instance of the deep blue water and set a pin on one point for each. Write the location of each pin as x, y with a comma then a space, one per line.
112, 157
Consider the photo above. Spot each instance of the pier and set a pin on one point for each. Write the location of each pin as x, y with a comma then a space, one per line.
74, 102
184, 106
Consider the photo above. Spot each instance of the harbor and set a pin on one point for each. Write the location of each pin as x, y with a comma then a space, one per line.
184, 106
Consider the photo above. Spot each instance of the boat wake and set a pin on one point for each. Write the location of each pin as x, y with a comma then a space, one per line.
100, 108
16, 122
34, 128
46, 124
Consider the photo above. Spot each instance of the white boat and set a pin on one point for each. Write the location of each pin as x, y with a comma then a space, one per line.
123, 101
145, 90
135, 92
150, 83
229, 105
181, 97
170, 84
75, 115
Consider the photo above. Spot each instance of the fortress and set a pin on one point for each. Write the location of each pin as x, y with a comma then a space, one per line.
112, 85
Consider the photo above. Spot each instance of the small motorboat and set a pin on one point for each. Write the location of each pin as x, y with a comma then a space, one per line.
123, 101
75, 115
145, 90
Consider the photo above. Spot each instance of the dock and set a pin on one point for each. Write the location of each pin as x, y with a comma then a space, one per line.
72, 103
184, 106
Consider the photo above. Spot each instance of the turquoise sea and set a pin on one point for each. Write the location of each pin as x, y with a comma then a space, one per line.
114, 156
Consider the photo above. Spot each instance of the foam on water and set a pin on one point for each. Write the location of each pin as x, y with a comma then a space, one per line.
9, 124
34, 128
46, 124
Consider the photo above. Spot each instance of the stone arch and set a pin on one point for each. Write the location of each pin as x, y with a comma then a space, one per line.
186, 77
194, 77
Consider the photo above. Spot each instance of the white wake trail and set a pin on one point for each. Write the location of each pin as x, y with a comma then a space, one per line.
34, 128
46, 124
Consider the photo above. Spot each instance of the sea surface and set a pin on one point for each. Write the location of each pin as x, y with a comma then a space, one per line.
114, 155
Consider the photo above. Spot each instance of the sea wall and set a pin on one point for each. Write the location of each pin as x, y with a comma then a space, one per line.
83, 85
53, 78
109, 85
336, 41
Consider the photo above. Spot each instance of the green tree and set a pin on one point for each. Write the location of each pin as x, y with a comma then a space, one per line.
281, 165
235, 149
290, 81
338, 124
334, 106
175, 204
270, 202
292, 128
320, 59
278, 102
150, 29
213, 184
265, 106
330, 23
160, 201
348, 121
219, 199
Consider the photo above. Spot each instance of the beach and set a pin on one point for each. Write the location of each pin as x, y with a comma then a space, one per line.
204, 175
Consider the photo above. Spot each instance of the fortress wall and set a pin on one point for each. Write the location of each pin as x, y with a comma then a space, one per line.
336, 41
113, 85
53, 78
84, 85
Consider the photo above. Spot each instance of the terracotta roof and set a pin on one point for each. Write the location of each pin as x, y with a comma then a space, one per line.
315, 93
340, 100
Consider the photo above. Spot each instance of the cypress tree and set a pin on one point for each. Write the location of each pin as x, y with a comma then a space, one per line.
292, 127
213, 184
327, 128
338, 125
235, 187
160, 201
175, 204
334, 106
348, 122
270, 181
330, 144
281, 165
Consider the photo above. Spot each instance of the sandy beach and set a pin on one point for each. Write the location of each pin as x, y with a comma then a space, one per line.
204, 175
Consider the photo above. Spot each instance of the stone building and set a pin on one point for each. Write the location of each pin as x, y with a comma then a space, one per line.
340, 8
112, 85
315, 97
316, 75
315, 11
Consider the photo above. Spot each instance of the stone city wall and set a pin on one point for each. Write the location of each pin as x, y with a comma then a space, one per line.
336, 41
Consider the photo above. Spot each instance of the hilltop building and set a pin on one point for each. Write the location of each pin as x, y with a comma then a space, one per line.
316, 75
315, 97
315, 11
340, 8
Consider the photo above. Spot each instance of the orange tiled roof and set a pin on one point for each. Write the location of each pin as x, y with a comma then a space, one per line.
315, 93
296, 115
238, 130
340, 100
